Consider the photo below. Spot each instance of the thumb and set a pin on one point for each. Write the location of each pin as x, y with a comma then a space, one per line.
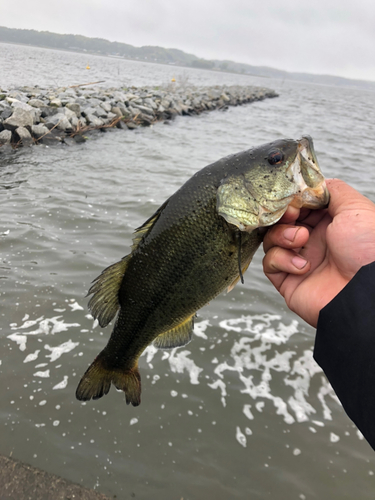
343, 197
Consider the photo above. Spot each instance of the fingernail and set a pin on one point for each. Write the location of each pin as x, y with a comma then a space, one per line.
290, 233
299, 262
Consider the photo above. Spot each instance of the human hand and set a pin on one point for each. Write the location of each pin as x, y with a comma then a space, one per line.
312, 254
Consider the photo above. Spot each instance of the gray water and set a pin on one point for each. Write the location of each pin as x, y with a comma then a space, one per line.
243, 411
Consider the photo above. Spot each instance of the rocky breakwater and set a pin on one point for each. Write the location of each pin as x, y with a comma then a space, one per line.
31, 115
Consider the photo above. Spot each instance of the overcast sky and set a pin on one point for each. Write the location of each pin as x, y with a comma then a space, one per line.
335, 37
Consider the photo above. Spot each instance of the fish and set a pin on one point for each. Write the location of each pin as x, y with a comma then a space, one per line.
197, 244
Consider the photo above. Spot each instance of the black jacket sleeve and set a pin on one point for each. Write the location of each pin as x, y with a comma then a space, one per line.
345, 348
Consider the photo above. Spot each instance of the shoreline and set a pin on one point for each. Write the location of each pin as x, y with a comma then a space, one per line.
33, 115
98, 54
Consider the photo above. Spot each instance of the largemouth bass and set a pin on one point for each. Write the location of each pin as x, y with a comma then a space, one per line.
197, 244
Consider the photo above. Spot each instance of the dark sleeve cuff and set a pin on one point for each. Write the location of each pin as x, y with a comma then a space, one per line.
345, 348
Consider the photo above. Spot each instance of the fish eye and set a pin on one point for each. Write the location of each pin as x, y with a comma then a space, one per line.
275, 157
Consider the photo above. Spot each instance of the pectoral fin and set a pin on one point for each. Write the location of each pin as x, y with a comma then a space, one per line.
104, 303
176, 337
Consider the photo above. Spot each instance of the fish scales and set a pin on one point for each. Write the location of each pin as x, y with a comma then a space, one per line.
189, 251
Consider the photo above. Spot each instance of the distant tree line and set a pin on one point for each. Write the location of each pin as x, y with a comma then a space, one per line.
100, 46
161, 55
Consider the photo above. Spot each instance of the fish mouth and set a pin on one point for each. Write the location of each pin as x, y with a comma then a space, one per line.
312, 190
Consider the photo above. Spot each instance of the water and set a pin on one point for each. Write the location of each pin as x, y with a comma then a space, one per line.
243, 411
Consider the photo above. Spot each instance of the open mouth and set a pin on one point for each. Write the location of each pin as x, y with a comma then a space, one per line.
312, 189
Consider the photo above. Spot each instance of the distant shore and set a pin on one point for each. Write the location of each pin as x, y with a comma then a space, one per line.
136, 60
32, 115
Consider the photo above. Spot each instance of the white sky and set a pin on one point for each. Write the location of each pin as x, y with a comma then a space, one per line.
335, 37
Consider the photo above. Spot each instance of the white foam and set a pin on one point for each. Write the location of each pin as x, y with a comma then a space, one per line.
44, 374
75, 306
200, 328
334, 438
48, 326
179, 362
59, 350
241, 438
256, 360
31, 357
62, 384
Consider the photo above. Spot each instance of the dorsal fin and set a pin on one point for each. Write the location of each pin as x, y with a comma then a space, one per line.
146, 227
104, 303
177, 336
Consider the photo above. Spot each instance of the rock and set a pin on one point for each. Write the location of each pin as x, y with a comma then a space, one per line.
124, 110
61, 122
106, 106
94, 120
70, 114
88, 111
22, 105
39, 130
99, 112
19, 118
79, 138
143, 109
145, 119
122, 125
117, 111
54, 137
74, 121
47, 111
6, 113
75, 107
5, 137
151, 103
36, 103
55, 103
93, 102
24, 136
131, 125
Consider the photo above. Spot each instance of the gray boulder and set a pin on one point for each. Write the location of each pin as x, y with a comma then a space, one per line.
47, 111
56, 103
24, 136
106, 106
22, 105
94, 120
6, 113
19, 118
39, 130
117, 111
36, 103
5, 137
15, 94
143, 109
70, 114
99, 112
60, 121
75, 107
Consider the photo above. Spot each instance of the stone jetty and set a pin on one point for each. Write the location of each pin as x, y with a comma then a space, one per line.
32, 115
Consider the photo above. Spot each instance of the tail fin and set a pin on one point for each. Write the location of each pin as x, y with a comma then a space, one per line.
97, 380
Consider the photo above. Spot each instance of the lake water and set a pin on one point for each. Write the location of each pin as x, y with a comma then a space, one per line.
243, 411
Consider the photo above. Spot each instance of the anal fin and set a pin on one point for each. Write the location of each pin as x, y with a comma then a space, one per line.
176, 337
